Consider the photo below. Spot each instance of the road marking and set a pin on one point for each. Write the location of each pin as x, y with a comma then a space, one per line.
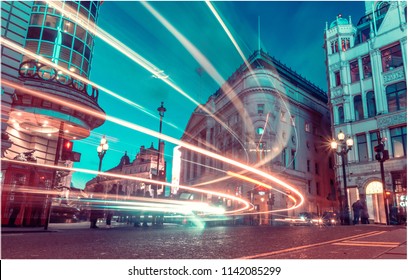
366, 244
267, 254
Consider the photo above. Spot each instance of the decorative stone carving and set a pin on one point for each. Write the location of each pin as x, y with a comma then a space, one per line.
393, 76
26, 156
387, 121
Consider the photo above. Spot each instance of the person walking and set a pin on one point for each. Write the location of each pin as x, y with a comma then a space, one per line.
364, 213
357, 207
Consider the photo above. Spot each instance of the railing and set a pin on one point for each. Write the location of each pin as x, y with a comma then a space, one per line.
32, 69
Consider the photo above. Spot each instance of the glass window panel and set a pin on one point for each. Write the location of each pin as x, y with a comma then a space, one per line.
366, 62
80, 33
354, 71
49, 35
46, 49
33, 33
68, 26
341, 114
372, 111
37, 19
358, 108
67, 40
52, 21
78, 46
362, 147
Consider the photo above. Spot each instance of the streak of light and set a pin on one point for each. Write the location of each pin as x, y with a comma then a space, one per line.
165, 138
245, 206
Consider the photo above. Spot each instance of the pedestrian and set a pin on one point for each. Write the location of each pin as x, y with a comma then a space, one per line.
96, 213
357, 207
364, 213
110, 197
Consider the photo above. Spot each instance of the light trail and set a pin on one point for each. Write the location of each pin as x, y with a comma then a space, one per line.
194, 205
163, 137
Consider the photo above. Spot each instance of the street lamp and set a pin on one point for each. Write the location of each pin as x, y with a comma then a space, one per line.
345, 147
101, 149
161, 110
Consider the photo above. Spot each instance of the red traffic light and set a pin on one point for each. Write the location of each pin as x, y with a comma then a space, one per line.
379, 148
67, 146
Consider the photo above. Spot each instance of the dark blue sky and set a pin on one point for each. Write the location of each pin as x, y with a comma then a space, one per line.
291, 31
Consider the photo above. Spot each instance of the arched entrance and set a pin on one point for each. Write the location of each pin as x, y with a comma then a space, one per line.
375, 202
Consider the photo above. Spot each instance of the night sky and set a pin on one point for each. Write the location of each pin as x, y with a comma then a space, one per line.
290, 31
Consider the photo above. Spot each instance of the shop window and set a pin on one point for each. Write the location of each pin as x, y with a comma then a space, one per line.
354, 71
362, 147
358, 108
396, 96
391, 58
372, 111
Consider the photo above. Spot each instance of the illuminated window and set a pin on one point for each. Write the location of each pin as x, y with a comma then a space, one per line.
261, 108
337, 80
396, 96
399, 141
391, 58
259, 131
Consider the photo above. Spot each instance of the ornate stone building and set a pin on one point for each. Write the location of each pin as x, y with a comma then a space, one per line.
40, 103
366, 70
273, 119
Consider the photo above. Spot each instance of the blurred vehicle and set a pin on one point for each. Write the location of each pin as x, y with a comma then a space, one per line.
61, 212
311, 218
330, 218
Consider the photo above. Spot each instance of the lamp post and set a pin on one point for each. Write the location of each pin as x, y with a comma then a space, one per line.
345, 147
161, 110
101, 149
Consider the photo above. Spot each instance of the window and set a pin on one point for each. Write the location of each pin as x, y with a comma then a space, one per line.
283, 116
284, 157
37, 19
292, 120
399, 141
259, 131
341, 114
345, 44
293, 153
396, 96
317, 188
366, 62
337, 80
334, 46
309, 186
371, 109
317, 168
358, 108
374, 141
261, 108
33, 33
308, 165
391, 58
307, 126
354, 71
362, 147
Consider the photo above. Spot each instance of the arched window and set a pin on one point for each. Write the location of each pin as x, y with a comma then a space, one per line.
340, 111
396, 96
371, 109
358, 108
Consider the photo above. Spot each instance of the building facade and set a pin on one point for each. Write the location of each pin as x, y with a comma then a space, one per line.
270, 118
45, 52
366, 70
144, 166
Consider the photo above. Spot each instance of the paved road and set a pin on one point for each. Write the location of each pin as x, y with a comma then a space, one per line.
77, 241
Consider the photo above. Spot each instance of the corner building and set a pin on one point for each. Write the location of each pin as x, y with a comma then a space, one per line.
34, 125
273, 119
366, 69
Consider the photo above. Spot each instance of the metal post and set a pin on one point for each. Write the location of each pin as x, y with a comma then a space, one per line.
346, 210
387, 221
161, 110
48, 201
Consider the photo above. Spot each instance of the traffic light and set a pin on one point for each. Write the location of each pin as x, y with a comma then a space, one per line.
67, 153
381, 154
66, 149
162, 175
